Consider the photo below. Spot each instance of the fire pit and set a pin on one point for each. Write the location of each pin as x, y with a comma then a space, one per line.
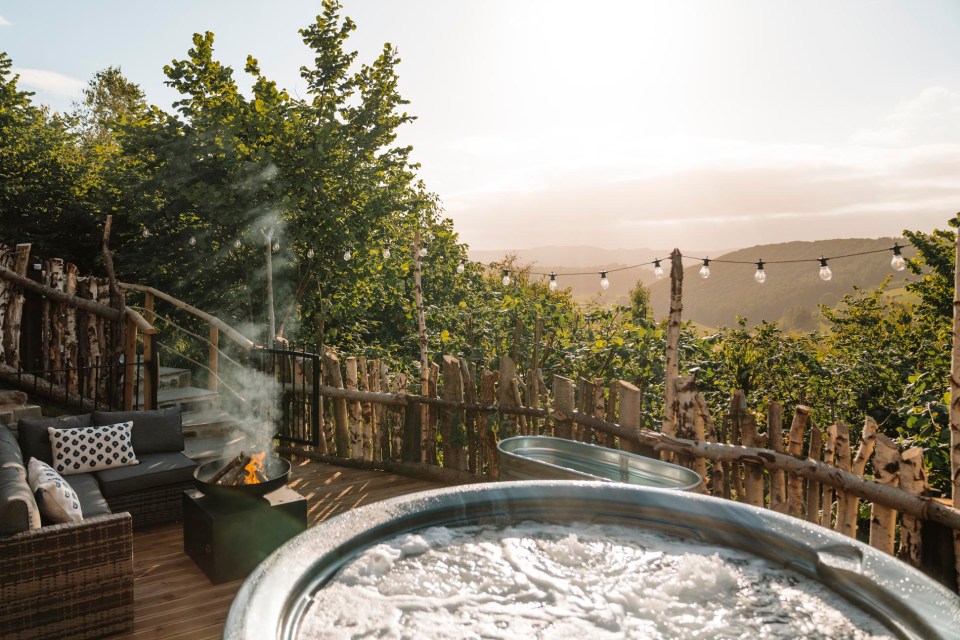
275, 472
241, 511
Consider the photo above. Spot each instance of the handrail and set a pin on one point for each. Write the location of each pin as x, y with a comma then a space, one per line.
232, 333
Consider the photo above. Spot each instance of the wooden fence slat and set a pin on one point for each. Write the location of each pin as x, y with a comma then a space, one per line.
612, 400
468, 380
913, 480
687, 425
847, 504
451, 425
341, 436
752, 475
563, 405
355, 412
826, 490
813, 487
795, 449
488, 439
886, 471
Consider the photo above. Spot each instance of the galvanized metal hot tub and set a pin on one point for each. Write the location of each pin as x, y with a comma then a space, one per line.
546, 458
272, 601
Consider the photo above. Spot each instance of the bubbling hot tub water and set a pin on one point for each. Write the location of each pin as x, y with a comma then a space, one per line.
577, 580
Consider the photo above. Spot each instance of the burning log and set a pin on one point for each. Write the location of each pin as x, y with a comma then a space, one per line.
229, 473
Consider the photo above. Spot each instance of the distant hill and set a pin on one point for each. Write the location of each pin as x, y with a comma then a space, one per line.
790, 294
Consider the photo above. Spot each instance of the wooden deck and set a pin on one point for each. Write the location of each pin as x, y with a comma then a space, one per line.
172, 596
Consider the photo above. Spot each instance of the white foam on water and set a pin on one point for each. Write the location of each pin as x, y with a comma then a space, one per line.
578, 581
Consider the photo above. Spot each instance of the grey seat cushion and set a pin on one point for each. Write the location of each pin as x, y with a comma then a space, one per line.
34, 439
92, 502
154, 470
154, 431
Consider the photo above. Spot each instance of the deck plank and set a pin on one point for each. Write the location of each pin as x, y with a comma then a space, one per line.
174, 599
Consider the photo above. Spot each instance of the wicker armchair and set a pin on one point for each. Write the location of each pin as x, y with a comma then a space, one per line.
68, 581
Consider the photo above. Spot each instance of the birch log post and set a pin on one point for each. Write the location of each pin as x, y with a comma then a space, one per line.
913, 480
955, 403
886, 471
826, 490
505, 397
778, 489
428, 437
488, 439
687, 425
6, 259
813, 487
629, 397
613, 399
355, 412
718, 479
600, 411
752, 475
399, 385
846, 512
563, 406
795, 449
366, 410
341, 435
14, 309
584, 407
851, 504
451, 439
468, 380
738, 405
71, 344
673, 349
518, 402
58, 281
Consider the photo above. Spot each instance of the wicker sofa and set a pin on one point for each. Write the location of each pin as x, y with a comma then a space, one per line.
75, 580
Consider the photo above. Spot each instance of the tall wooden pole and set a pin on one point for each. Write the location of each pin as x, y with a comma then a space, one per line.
426, 446
955, 401
673, 352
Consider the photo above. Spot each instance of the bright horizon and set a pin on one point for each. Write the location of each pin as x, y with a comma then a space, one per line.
620, 125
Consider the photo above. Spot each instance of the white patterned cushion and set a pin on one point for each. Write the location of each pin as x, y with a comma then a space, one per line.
89, 449
57, 500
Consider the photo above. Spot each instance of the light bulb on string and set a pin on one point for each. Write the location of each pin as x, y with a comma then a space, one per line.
825, 272
760, 276
386, 253
553, 281
604, 282
705, 269
462, 266
506, 277
897, 262
237, 243
193, 241
347, 255
310, 252
423, 252
657, 269
146, 233
276, 245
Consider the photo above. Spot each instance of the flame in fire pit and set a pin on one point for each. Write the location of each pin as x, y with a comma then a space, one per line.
254, 469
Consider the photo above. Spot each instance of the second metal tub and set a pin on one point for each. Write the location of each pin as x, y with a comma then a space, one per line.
546, 458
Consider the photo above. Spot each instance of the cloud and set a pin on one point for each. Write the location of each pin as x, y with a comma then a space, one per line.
932, 117
50, 81
4, 22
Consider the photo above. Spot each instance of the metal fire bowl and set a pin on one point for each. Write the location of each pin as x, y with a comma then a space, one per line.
272, 601
277, 470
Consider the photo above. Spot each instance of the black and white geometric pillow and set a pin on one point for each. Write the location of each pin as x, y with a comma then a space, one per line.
55, 497
92, 448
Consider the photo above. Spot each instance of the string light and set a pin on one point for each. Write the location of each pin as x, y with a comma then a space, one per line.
310, 252
553, 281
347, 255
506, 277
825, 272
462, 266
146, 233
423, 252
276, 245
193, 241
657, 269
760, 276
897, 262
237, 244
386, 253
705, 269
604, 282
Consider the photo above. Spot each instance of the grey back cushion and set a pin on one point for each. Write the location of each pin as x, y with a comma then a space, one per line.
34, 439
155, 431
18, 508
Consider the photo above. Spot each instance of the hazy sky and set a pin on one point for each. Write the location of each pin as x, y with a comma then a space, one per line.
707, 124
